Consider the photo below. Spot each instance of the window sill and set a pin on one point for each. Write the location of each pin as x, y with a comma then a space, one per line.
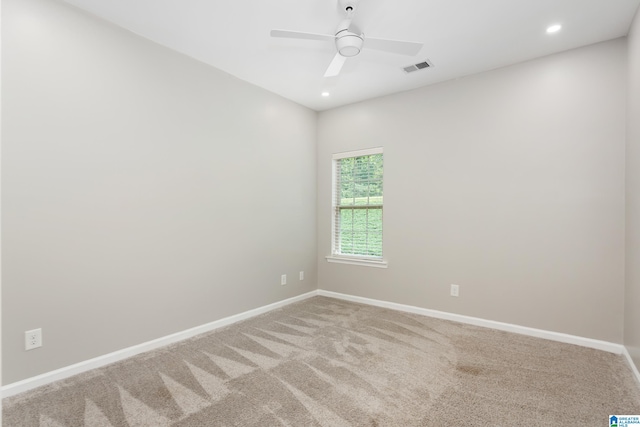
378, 263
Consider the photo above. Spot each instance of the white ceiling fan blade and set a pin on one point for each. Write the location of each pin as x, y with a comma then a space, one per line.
336, 65
300, 35
393, 46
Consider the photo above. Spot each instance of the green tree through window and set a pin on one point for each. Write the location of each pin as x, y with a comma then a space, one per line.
358, 205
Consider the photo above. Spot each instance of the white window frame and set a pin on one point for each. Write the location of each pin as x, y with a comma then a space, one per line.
362, 260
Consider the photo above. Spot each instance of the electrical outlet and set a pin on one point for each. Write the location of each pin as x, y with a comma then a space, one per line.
283, 279
455, 290
302, 275
33, 339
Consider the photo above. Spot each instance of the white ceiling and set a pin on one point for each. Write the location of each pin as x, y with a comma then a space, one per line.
460, 37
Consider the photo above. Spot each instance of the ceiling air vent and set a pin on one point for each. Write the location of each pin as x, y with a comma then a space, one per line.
419, 66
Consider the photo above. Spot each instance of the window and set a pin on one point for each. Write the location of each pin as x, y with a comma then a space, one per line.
357, 208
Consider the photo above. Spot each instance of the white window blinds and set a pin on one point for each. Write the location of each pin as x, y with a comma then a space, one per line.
358, 204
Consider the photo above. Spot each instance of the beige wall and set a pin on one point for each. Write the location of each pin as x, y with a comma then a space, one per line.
144, 193
508, 183
632, 295
0, 216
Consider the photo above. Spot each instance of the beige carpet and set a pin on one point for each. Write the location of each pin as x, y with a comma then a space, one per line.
325, 362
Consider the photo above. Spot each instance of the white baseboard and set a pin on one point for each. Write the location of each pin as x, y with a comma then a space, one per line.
98, 362
634, 368
522, 330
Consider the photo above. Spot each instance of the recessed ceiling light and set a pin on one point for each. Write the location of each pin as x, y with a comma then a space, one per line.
554, 28
325, 94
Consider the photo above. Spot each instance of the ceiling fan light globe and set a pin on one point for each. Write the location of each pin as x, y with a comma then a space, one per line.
349, 51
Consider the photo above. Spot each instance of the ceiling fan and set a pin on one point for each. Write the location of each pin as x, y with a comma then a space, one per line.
350, 43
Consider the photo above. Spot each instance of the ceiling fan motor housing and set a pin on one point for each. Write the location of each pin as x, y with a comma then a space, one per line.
349, 44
